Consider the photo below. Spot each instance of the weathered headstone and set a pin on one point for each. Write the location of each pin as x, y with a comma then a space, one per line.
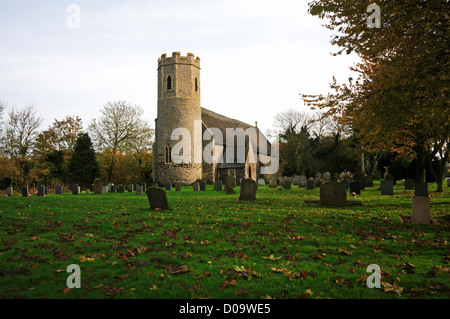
109, 187
273, 182
248, 190
287, 184
130, 188
368, 181
387, 187
9, 191
41, 190
157, 198
105, 189
421, 189
112, 188
178, 186
59, 190
218, 186
448, 182
230, 183
25, 192
120, 188
261, 182
168, 186
327, 176
75, 189
390, 177
98, 188
310, 184
333, 193
302, 180
420, 210
196, 186
355, 188
409, 184
202, 186
139, 190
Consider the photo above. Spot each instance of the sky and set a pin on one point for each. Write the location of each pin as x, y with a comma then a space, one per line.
257, 56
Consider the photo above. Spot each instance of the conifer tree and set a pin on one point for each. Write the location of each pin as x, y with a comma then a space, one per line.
83, 166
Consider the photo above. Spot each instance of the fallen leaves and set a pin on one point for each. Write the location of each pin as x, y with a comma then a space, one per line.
387, 287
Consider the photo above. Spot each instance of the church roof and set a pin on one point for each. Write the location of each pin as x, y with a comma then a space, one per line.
214, 120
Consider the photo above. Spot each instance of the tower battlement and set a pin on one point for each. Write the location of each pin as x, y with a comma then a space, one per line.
177, 58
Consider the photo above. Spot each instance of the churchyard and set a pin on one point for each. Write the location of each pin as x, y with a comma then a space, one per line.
211, 244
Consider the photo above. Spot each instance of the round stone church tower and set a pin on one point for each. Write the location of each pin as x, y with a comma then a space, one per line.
178, 108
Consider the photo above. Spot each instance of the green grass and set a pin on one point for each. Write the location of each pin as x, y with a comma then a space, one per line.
211, 245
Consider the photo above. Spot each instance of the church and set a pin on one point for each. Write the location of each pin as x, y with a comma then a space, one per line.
179, 108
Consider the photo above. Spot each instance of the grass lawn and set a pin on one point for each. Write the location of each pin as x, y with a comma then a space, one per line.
211, 245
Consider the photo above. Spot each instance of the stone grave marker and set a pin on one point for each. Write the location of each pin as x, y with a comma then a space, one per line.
105, 189
202, 186
178, 186
120, 188
333, 194
218, 186
75, 189
130, 188
98, 188
59, 190
287, 184
41, 190
327, 176
421, 190
230, 183
248, 190
196, 186
157, 198
420, 210
390, 177
273, 182
9, 191
139, 190
387, 187
261, 182
355, 188
409, 184
168, 186
448, 182
310, 184
25, 192
302, 180
368, 181
112, 188
109, 187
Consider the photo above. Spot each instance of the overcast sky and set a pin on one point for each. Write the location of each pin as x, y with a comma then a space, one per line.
256, 55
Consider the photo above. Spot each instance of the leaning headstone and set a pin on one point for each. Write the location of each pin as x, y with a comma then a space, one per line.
310, 184
355, 188
196, 186
420, 210
409, 184
202, 186
261, 182
98, 188
59, 190
248, 190
9, 191
41, 190
334, 194
157, 198
178, 186
387, 187
273, 182
75, 189
25, 192
168, 186
139, 190
287, 184
218, 186
368, 181
421, 190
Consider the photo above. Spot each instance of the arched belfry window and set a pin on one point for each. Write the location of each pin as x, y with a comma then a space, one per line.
196, 85
168, 154
169, 82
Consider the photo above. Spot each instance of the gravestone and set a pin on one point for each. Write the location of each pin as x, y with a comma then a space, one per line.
109, 187
178, 186
105, 189
302, 180
196, 186
98, 188
202, 186
327, 176
45, 190
420, 210
25, 192
310, 184
421, 190
287, 184
368, 181
9, 191
112, 188
387, 187
139, 190
261, 182
355, 188
334, 194
59, 190
409, 184
41, 190
248, 190
230, 183
448, 182
120, 188
273, 182
75, 189
130, 188
168, 186
218, 186
157, 198
390, 177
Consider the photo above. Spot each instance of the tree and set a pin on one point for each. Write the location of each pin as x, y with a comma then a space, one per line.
83, 166
120, 129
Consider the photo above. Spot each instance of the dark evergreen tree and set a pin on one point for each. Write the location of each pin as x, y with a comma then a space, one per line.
83, 166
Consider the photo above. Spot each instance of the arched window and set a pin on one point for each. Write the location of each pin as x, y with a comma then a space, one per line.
169, 82
196, 85
168, 155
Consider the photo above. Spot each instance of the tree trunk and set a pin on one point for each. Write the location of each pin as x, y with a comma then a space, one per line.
111, 166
